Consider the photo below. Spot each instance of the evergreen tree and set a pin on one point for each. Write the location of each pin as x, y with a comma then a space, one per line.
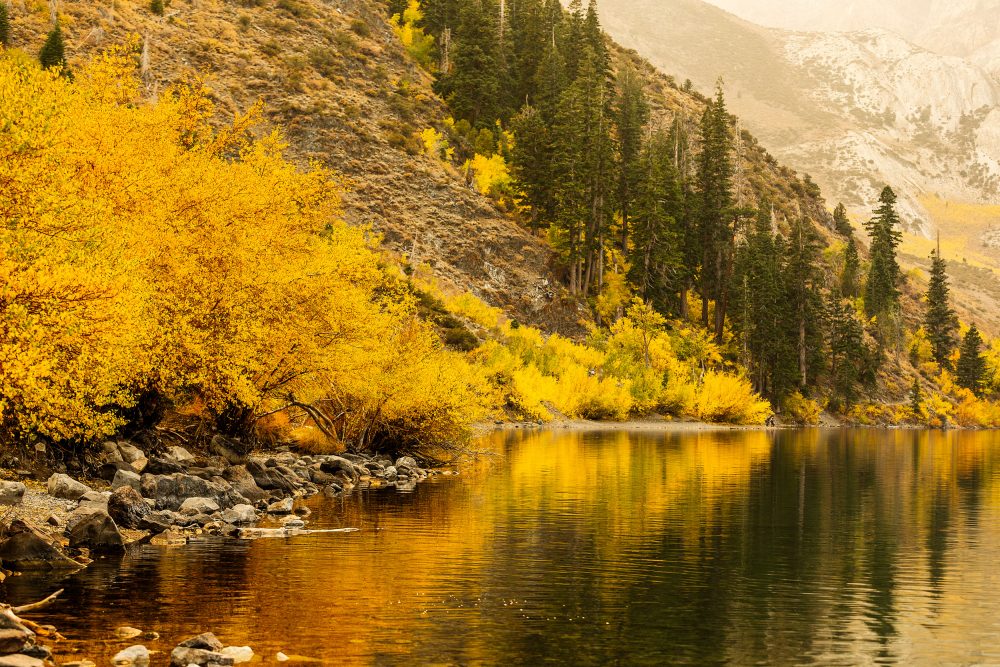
803, 280
4, 24
631, 115
53, 53
528, 31
848, 354
881, 291
655, 258
532, 165
550, 81
760, 313
940, 320
472, 88
156, 6
852, 265
840, 221
971, 368
715, 202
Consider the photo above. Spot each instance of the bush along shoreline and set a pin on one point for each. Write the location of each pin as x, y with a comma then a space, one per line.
166, 496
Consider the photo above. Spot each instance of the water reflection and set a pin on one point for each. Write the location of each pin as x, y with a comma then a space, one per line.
825, 547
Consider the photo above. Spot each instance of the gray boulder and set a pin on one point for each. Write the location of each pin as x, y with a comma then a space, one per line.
337, 464
391, 474
65, 487
94, 529
11, 493
170, 491
127, 508
244, 483
126, 478
281, 507
232, 451
20, 660
26, 548
272, 479
180, 455
130, 453
108, 470
239, 514
13, 640
193, 506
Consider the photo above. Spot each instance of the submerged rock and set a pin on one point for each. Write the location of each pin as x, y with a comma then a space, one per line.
20, 660
239, 654
26, 548
65, 487
133, 656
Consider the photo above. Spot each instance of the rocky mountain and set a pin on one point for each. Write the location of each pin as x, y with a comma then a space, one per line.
854, 109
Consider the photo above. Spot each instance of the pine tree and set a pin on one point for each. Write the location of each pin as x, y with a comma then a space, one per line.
881, 291
550, 81
472, 88
852, 265
940, 320
53, 53
714, 208
655, 256
841, 223
631, 115
4, 24
848, 354
532, 164
156, 6
802, 280
971, 368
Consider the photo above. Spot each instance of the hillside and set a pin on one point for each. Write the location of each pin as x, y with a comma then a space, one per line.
334, 78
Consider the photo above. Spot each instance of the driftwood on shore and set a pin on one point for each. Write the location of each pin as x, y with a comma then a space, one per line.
13, 614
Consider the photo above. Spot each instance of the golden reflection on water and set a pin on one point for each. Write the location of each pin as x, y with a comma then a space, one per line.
591, 547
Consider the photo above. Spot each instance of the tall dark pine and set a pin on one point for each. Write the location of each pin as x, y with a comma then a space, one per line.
971, 368
940, 320
848, 355
840, 221
53, 53
881, 290
472, 88
852, 265
631, 115
656, 260
802, 283
715, 201
531, 162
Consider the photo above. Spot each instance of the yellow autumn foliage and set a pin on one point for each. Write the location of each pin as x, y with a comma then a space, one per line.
143, 250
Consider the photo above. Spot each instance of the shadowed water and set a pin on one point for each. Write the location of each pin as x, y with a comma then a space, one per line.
825, 547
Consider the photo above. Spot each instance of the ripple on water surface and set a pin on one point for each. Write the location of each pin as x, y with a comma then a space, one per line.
825, 547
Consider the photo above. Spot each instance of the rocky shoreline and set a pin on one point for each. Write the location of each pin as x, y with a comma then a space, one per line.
166, 498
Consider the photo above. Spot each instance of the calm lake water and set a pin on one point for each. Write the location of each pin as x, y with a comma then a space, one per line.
579, 548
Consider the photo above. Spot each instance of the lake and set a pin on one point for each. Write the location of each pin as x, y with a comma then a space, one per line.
601, 547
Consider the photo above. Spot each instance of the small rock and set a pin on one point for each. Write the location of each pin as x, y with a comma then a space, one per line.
12, 640
11, 493
194, 506
281, 657
184, 657
293, 522
20, 660
54, 520
391, 475
139, 465
228, 449
95, 529
25, 548
126, 478
127, 632
130, 453
241, 513
303, 511
128, 509
64, 486
239, 654
108, 470
80, 663
406, 461
180, 455
205, 640
133, 656
110, 452
169, 538
281, 507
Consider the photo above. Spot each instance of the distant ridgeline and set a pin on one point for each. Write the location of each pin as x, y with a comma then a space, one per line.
648, 189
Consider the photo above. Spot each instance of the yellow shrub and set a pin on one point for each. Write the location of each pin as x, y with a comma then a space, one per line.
475, 309
801, 410
976, 413
727, 398
490, 174
419, 44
